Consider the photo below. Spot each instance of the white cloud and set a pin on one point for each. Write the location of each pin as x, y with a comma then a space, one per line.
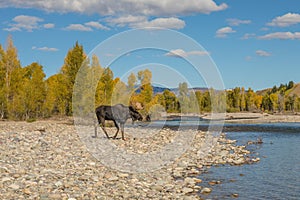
121, 7
24, 22
27, 23
78, 27
170, 23
49, 25
248, 58
262, 53
222, 32
96, 25
143, 22
248, 36
264, 29
132, 13
88, 26
44, 48
12, 29
281, 35
237, 22
125, 20
184, 54
285, 20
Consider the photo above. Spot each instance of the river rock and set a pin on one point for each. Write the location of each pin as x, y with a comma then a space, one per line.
189, 181
58, 184
239, 161
255, 159
224, 153
3, 170
197, 180
14, 186
5, 179
113, 178
54, 196
187, 190
157, 187
27, 191
122, 175
214, 182
206, 190
234, 195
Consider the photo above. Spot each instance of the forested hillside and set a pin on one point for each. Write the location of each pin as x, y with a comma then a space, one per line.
26, 94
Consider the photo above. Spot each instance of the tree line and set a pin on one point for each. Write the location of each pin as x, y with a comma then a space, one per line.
26, 94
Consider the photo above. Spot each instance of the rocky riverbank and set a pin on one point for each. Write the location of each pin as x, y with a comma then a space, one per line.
47, 160
243, 117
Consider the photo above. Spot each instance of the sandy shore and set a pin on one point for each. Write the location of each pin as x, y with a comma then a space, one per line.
261, 118
47, 160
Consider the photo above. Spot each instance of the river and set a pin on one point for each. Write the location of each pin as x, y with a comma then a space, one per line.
276, 176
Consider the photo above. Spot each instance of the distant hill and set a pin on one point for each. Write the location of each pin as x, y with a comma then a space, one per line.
295, 90
157, 90
263, 92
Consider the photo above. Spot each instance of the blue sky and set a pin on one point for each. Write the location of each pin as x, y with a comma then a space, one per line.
254, 43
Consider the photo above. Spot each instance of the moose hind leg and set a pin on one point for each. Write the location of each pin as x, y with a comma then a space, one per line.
117, 126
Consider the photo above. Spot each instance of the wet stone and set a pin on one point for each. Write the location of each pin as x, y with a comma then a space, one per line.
206, 190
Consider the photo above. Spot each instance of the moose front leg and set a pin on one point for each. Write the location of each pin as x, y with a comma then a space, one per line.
96, 123
122, 130
103, 128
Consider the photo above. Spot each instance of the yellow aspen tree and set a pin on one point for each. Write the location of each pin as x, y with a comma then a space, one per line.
3, 100
73, 62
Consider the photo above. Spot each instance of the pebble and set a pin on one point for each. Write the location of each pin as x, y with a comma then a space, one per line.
206, 190
189, 181
27, 191
239, 161
157, 187
3, 170
197, 180
123, 175
213, 182
113, 178
58, 184
235, 195
5, 179
14, 186
187, 190
54, 196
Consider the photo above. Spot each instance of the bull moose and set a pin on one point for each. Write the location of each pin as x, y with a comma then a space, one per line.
118, 114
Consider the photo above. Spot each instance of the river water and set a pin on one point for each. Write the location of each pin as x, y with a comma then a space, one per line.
275, 176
